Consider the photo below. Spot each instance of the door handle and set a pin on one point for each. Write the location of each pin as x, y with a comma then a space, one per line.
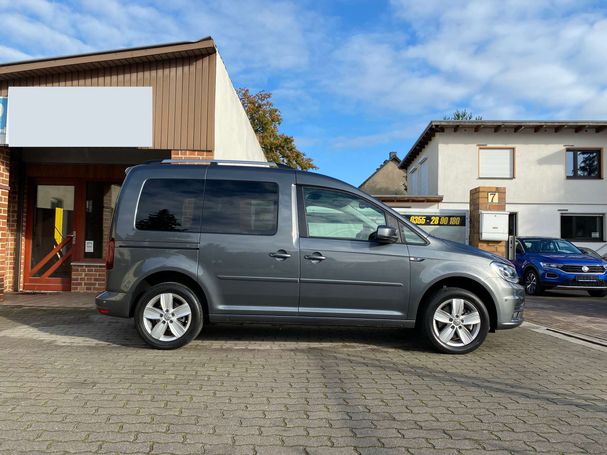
315, 257
280, 255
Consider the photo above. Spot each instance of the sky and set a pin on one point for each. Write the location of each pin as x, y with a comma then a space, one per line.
356, 79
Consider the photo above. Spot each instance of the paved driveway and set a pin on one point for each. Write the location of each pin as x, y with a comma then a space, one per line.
570, 311
75, 381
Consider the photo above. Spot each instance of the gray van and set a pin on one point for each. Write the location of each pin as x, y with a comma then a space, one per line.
204, 242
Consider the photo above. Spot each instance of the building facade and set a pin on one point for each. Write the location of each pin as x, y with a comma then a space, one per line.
553, 172
387, 180
73, 126
389, 184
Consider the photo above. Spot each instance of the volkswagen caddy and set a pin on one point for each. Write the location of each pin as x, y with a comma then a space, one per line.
194, 243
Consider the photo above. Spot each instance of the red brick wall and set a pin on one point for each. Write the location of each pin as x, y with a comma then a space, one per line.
191, 154
88, 277
15, 182
479, 201
4, 195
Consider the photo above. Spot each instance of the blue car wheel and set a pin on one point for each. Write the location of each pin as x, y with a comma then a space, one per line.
532, 283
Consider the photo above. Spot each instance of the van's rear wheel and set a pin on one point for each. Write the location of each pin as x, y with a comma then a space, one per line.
168, 316
455, 321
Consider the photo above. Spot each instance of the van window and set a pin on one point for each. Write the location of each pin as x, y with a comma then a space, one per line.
240, 207
339, 215
170, 205
411, 237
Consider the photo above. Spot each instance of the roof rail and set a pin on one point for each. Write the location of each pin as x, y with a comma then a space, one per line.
223, 163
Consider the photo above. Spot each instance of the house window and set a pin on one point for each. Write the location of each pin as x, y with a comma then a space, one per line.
496, 163
583, 164
100, 202
583, 228
412, 182
423, 177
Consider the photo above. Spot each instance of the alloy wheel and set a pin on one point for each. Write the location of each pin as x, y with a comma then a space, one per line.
530, 282
167, 317
456, 322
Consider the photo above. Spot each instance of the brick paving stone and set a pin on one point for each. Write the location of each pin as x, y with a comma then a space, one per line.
554, 310
73, 446
231, 450
176, 448
279, 450
125, 447
332, 451
86, 383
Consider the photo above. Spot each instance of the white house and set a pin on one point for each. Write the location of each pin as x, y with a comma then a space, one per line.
553, 172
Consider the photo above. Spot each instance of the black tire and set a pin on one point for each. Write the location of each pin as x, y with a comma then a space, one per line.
532, 283
597, 293
471, 305
190, 324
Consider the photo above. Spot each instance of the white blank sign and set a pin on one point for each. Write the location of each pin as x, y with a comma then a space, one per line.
79, 117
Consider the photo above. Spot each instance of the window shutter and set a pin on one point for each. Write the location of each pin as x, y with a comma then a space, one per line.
496, 163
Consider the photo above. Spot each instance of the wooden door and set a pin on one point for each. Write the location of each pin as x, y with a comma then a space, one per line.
50, 236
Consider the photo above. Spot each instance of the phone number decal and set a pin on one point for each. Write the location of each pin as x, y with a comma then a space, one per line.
437, 220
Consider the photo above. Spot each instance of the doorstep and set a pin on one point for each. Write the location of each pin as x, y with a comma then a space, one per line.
84, 300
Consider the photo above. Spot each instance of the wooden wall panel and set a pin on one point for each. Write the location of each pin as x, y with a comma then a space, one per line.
184, 96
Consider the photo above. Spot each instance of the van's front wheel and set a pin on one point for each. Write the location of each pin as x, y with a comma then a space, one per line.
168, 316
455, 321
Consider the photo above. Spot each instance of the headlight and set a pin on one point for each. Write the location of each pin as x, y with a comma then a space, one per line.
550, 265
505, 271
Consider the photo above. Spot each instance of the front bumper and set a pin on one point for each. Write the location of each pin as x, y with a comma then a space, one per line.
510, 304
553, 278
114, 304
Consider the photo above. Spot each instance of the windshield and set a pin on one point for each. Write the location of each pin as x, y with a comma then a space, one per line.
550, 246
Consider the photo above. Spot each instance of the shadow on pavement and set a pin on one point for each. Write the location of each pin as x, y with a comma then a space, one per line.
85, 326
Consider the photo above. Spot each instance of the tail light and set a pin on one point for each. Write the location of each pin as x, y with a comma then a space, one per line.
109, 255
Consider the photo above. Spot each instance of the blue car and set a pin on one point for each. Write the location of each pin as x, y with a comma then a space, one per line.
545, 263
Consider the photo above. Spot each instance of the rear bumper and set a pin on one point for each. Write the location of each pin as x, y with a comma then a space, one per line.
114, 304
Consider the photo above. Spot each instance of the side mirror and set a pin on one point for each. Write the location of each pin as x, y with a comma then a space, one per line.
385, 234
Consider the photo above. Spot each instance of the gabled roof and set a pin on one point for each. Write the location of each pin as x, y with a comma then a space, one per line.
392, 157
439, 126
104, 59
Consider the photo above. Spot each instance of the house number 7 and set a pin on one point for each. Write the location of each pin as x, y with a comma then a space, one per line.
493, 198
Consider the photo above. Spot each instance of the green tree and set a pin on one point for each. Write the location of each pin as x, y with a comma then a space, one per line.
462, 114
266, 119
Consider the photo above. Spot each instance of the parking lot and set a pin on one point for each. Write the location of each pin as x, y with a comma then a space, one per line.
75, 381
570, 311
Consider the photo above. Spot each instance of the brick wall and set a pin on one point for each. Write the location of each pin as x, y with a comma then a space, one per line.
191, 154
88, 277
479, 201
4, 195
16, 183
